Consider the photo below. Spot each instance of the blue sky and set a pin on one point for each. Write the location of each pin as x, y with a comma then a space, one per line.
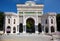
49, 5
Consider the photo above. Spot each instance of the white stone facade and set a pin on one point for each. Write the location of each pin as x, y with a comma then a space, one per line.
30, 10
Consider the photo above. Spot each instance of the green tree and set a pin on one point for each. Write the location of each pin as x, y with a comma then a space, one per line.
29, 24
1, 20
58, 22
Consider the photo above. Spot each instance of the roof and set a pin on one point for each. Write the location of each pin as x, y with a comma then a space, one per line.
10, 13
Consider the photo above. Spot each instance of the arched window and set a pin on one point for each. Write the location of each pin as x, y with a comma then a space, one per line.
52, 29
46, 21
46, 29
9, 21
51, 21
14, 21
8, 29
21, 27
39, 27
14, 29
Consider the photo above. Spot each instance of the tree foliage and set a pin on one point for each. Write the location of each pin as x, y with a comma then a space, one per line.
29, 24
1, 20
58, 22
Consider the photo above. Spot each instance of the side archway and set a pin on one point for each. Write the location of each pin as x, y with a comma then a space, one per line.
8, 29
39, 28
20, 28
46, 29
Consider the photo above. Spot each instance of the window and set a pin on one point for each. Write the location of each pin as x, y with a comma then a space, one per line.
52, 29
14, 30
9, 21
8, 29
14, 21
51, 21
46, 21
46, 30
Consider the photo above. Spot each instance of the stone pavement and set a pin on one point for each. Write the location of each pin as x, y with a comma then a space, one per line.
25, 37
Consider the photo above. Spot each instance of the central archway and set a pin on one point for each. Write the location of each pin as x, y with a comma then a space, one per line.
30, 25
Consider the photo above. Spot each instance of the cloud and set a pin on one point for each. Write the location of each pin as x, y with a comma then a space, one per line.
35, 0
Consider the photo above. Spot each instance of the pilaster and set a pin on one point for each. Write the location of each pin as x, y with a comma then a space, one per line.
36, 28
24, 28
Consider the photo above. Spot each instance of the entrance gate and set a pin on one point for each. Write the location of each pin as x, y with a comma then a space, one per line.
30, 25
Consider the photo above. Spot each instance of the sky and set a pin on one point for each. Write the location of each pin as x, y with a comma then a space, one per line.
49, 5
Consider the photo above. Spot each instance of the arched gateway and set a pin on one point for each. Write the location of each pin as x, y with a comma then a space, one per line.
29, 19
30, 25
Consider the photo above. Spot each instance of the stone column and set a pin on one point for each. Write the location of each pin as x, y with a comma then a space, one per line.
24, 28
11, 30
36, 28
55, 28
18, 23
49, 30
43, 29
55, 24
17, 28
36, 23
24, 23
5, 31
11, 20
5, 24
49, 25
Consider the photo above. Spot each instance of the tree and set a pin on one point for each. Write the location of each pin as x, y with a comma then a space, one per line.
1, 20
58, 22
29, 24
